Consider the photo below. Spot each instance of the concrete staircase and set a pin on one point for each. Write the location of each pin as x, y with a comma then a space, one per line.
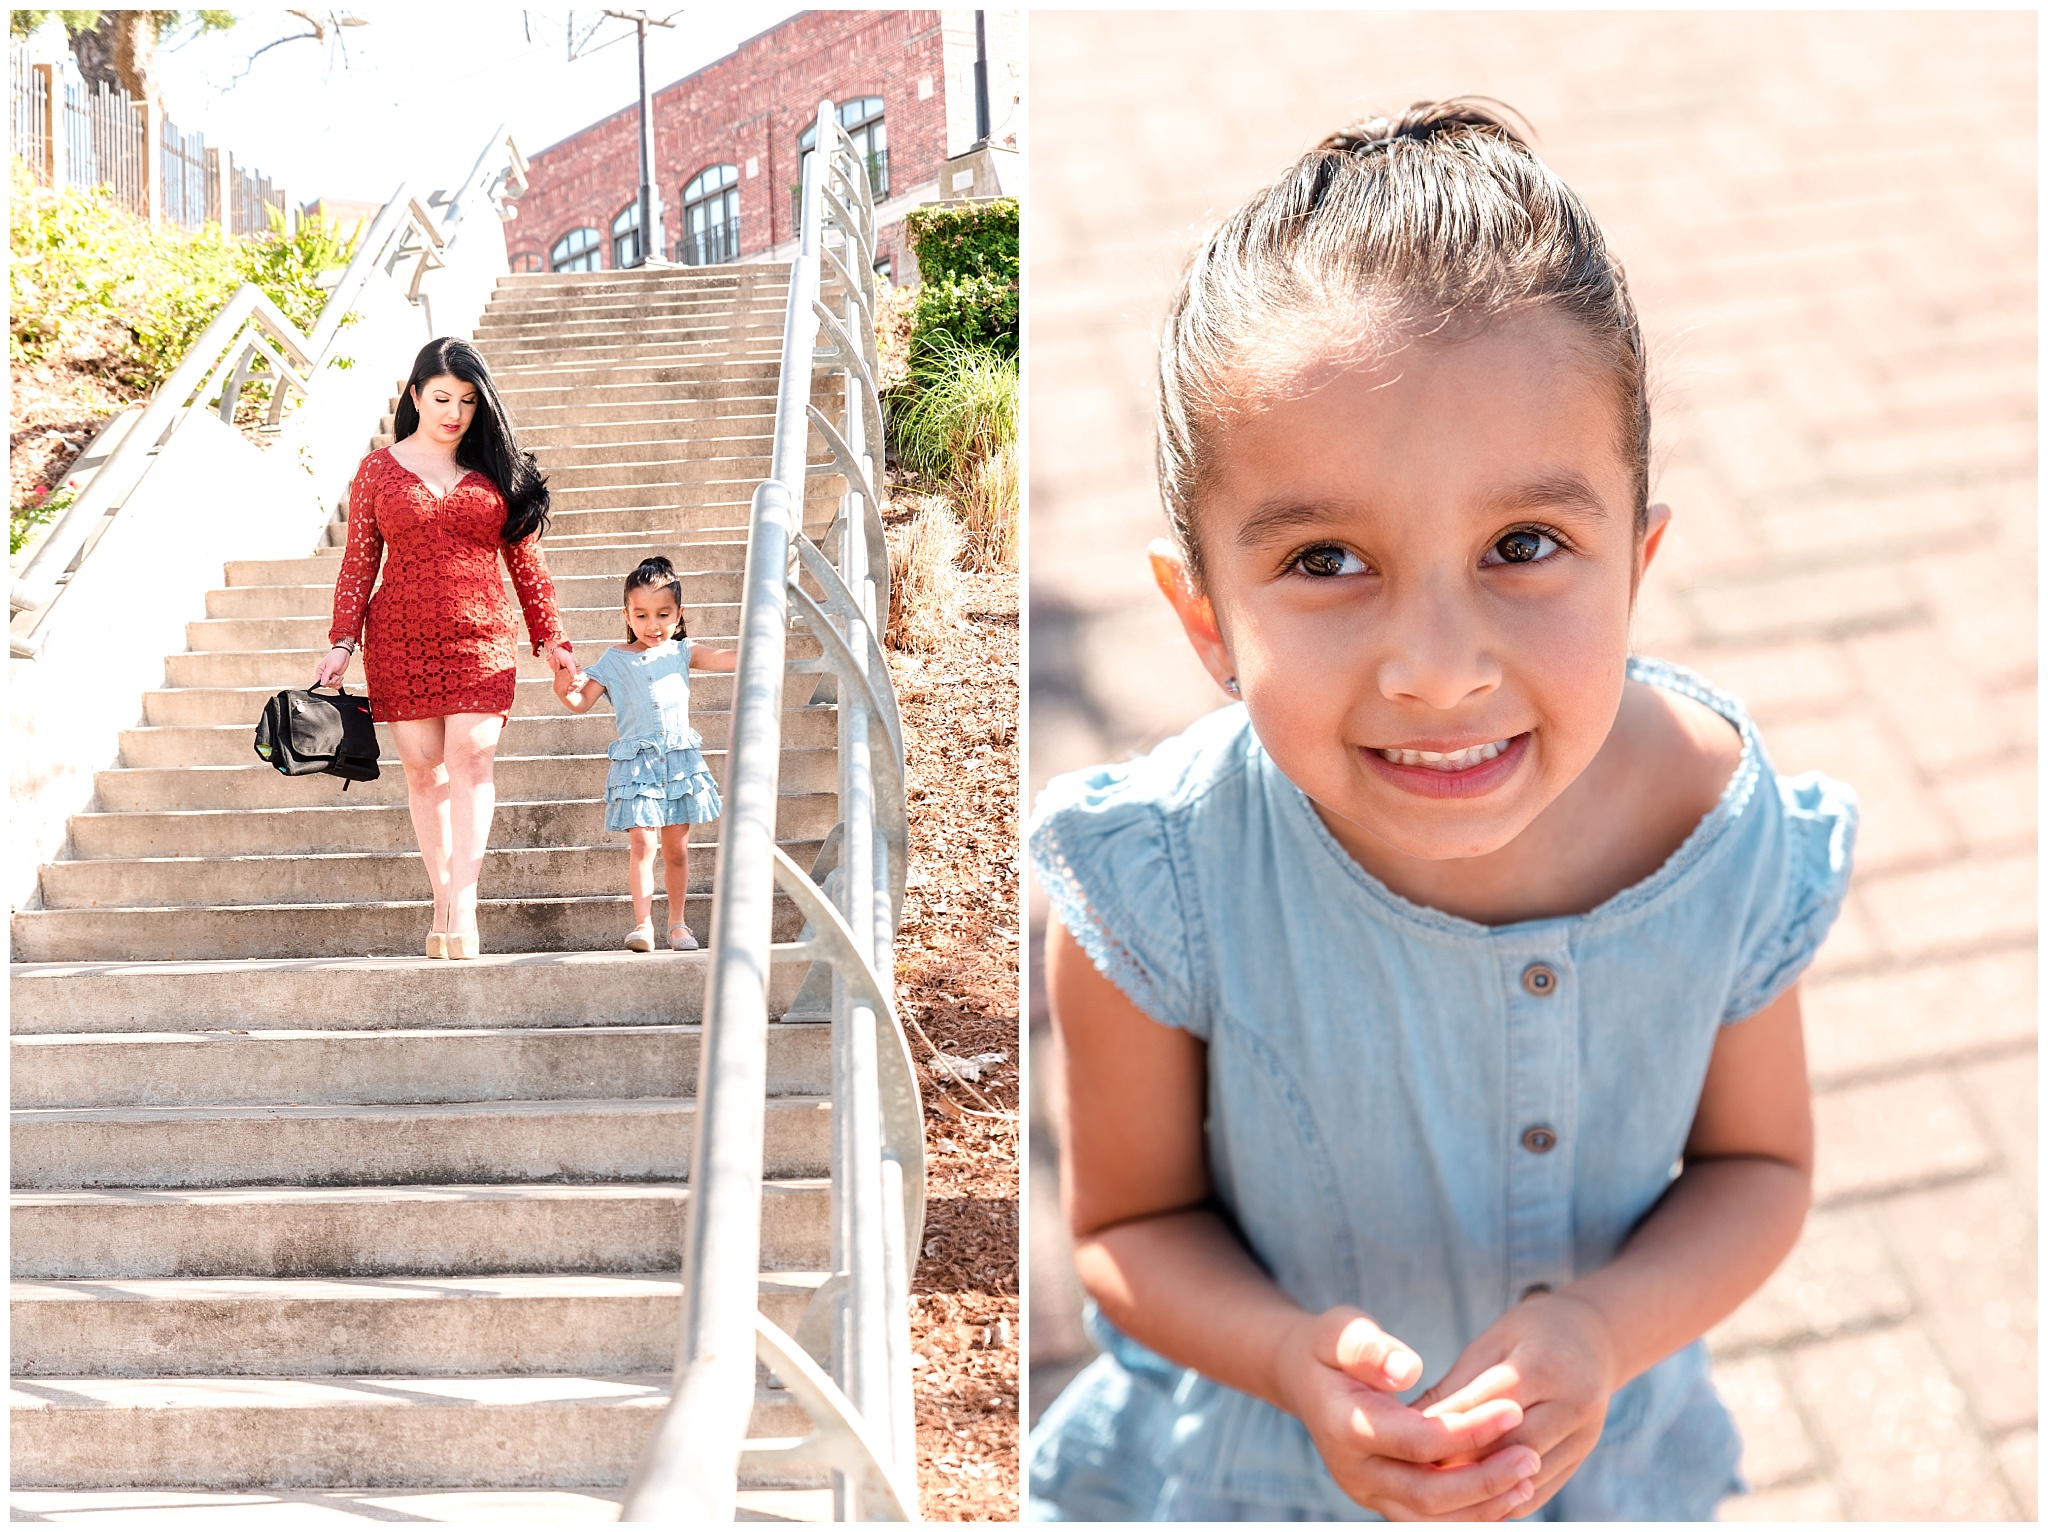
296, 1210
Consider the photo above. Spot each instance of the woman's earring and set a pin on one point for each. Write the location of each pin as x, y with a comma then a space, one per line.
1231, 687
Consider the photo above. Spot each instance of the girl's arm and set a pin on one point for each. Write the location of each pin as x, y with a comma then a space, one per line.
1168, 1270
1721, 1229
578, 689
702, 658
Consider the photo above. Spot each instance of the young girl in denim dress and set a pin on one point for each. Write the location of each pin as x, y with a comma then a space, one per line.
1429, 1022
658, 784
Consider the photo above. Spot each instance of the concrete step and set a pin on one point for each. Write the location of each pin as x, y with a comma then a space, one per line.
500, 989
516, 1324
520, 778
394, 929
383, 827
600, 626
87, 1433
82, 1070
278, 668
520, 380
626, 346
565, 733
350, 877
477, 1142
545, 441
612, 562
317, 600
532, 697
567, 413
652, 508
360, 1231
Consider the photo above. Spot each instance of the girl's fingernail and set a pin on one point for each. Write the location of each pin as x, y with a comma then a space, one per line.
1523, 1493
1401, 1364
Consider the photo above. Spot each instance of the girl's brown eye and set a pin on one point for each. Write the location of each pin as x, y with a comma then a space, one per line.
1329, 560
1525, 545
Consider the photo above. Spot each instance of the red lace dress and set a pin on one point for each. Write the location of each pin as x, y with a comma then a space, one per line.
439, 637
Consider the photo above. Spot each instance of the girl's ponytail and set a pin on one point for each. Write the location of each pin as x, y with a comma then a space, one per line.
657, 573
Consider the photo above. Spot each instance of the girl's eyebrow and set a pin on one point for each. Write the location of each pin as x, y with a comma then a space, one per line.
1565, 490
1270, 522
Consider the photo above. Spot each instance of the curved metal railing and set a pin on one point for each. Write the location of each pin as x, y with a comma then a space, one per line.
849, 1363
251, 341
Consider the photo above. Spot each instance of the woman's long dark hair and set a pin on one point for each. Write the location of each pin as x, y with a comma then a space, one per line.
488, 447
659, 574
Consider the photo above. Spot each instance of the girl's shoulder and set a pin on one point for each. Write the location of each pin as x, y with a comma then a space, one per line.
1173, 779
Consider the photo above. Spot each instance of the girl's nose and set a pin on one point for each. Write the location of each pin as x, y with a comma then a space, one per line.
1438, 655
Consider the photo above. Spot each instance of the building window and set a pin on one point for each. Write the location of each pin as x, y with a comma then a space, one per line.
578, 250
711, 217
626, 237
527, 260
862, 119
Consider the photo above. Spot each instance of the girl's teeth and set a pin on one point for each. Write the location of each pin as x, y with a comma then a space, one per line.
1456, 760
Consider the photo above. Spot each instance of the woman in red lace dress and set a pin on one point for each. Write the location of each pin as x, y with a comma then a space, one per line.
438, 509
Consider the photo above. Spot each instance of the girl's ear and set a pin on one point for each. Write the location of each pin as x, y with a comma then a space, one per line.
1197, 616
1653, 537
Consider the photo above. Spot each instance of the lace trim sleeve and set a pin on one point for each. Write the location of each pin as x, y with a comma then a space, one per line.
1107, 870
359, 562
1818, 842
536, 594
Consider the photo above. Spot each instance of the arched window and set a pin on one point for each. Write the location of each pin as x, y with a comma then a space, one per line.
862, 119
578, 250
527, 260
711, 217
626, 237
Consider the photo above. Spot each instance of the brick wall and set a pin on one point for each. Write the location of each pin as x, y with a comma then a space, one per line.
747, 110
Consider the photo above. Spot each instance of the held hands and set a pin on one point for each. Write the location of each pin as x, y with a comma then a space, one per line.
562, 658
1338, 1372
1552, 1354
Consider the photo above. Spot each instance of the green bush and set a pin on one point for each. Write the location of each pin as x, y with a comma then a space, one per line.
93, 286
967, 262
965, 239
977, 311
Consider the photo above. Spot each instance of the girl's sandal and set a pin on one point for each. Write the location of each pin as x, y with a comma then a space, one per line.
681, 939
641, 937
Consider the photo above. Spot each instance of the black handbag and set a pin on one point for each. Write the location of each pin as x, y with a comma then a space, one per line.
304, 732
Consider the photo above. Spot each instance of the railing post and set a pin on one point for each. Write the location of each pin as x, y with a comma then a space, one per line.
152, 161
53, 167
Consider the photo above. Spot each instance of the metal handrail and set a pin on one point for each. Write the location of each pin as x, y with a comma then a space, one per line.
250, 327
858, 1323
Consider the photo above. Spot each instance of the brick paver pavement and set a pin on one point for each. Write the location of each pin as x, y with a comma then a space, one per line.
1828, 220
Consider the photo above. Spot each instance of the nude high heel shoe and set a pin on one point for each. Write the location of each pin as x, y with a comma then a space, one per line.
437, 944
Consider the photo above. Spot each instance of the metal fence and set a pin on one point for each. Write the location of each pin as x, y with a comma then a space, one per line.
191, 189
710, 246
72, 135
848, 1364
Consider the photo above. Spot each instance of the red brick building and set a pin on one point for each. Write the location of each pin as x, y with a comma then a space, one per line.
729, 139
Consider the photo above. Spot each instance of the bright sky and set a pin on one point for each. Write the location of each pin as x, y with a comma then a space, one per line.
421, 84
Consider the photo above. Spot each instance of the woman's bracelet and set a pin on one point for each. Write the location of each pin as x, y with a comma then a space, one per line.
351, 648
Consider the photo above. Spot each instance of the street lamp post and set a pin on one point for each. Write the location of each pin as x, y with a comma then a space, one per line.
650, 199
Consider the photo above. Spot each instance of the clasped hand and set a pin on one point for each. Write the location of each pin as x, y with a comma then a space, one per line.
1496, 1437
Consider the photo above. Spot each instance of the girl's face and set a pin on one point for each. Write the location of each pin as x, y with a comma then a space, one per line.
652, 614
446, 406
1420, 570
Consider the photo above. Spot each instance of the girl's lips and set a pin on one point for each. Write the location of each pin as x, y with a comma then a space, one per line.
1472, 782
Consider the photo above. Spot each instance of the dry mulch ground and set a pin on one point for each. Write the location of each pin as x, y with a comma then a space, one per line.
52, 412
957, 979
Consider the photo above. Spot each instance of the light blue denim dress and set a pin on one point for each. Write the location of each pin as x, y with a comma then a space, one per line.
657, 776
1376, 1073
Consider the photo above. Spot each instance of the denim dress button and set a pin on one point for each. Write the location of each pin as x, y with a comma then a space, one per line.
1539, 1140
1540, 979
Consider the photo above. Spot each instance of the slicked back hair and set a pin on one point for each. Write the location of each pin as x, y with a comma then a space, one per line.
1393, 231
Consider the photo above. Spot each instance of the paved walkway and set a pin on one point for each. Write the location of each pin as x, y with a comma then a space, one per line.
1829, 223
